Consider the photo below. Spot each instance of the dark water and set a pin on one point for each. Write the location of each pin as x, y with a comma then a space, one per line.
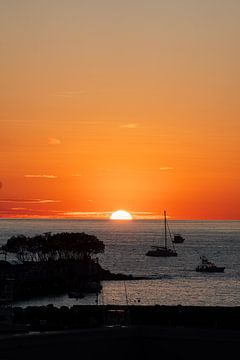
169, 280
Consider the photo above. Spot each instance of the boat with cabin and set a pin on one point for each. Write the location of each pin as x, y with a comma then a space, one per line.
178, 239
208, 266
163, 251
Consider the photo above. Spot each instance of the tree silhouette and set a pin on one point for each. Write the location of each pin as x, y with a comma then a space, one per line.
54, 247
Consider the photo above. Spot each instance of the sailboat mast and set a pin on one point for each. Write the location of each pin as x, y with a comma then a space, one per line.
165, 228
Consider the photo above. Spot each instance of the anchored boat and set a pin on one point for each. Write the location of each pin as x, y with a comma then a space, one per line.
178, 239
208, 266
163, 251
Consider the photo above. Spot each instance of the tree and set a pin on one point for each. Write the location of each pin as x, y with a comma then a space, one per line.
54, 247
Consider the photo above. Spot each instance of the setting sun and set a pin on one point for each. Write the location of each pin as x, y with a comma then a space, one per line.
121, 215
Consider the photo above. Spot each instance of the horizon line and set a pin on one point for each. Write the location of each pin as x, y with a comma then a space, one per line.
106, 219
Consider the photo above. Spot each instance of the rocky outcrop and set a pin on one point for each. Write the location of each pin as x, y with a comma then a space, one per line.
34, 279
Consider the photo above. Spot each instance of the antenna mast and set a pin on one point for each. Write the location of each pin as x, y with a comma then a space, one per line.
165, 228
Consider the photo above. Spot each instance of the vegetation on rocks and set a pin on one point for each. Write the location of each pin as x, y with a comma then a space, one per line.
53, 247
52, 264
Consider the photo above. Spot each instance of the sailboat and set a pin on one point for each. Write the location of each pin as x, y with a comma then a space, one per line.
163, 251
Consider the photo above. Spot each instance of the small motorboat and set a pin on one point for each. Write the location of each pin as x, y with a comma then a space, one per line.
208, 266
178, 239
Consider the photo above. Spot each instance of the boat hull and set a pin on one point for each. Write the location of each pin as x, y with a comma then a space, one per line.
160, 253
163, 251
178, 239
211, 270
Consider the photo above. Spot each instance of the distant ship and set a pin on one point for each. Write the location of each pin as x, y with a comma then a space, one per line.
178, 239
163, 251
208, 266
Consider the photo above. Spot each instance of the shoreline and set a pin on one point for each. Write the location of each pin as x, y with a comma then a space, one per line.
31, 280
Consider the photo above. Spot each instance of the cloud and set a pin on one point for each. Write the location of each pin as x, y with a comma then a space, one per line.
47, 201
18, 208
29, 201
54, 141
143, 213
105, 215
165, 168
41, 176
88, 214
26, 213
129, 126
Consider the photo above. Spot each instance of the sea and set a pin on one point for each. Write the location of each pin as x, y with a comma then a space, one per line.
167, 281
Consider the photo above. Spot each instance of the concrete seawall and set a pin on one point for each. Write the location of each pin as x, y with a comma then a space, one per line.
76, 317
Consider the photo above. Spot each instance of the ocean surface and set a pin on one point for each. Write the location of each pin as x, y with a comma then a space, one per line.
169, 281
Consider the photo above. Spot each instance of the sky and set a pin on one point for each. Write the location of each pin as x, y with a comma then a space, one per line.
109, 104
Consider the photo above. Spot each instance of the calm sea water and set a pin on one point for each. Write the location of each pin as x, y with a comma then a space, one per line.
170, 281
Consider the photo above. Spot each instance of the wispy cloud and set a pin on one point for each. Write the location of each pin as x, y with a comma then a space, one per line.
47, 201
88, 214
18, 208
53, 141
129, 126
40, 176
27, 213
165, 168
29, 201
137, 215
143, 213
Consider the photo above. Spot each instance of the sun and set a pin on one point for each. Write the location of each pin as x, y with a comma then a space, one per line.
121, 215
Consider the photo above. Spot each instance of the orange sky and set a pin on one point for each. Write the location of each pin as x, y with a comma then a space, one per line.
130, 104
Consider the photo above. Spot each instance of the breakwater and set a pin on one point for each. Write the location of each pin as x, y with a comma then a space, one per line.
76, 317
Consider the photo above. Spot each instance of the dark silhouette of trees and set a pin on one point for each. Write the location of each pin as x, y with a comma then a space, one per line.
54, 247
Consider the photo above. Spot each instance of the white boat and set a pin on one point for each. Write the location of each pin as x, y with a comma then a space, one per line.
163, 251
208, 266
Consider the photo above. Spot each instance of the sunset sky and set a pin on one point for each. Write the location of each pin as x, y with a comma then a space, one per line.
109, 104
